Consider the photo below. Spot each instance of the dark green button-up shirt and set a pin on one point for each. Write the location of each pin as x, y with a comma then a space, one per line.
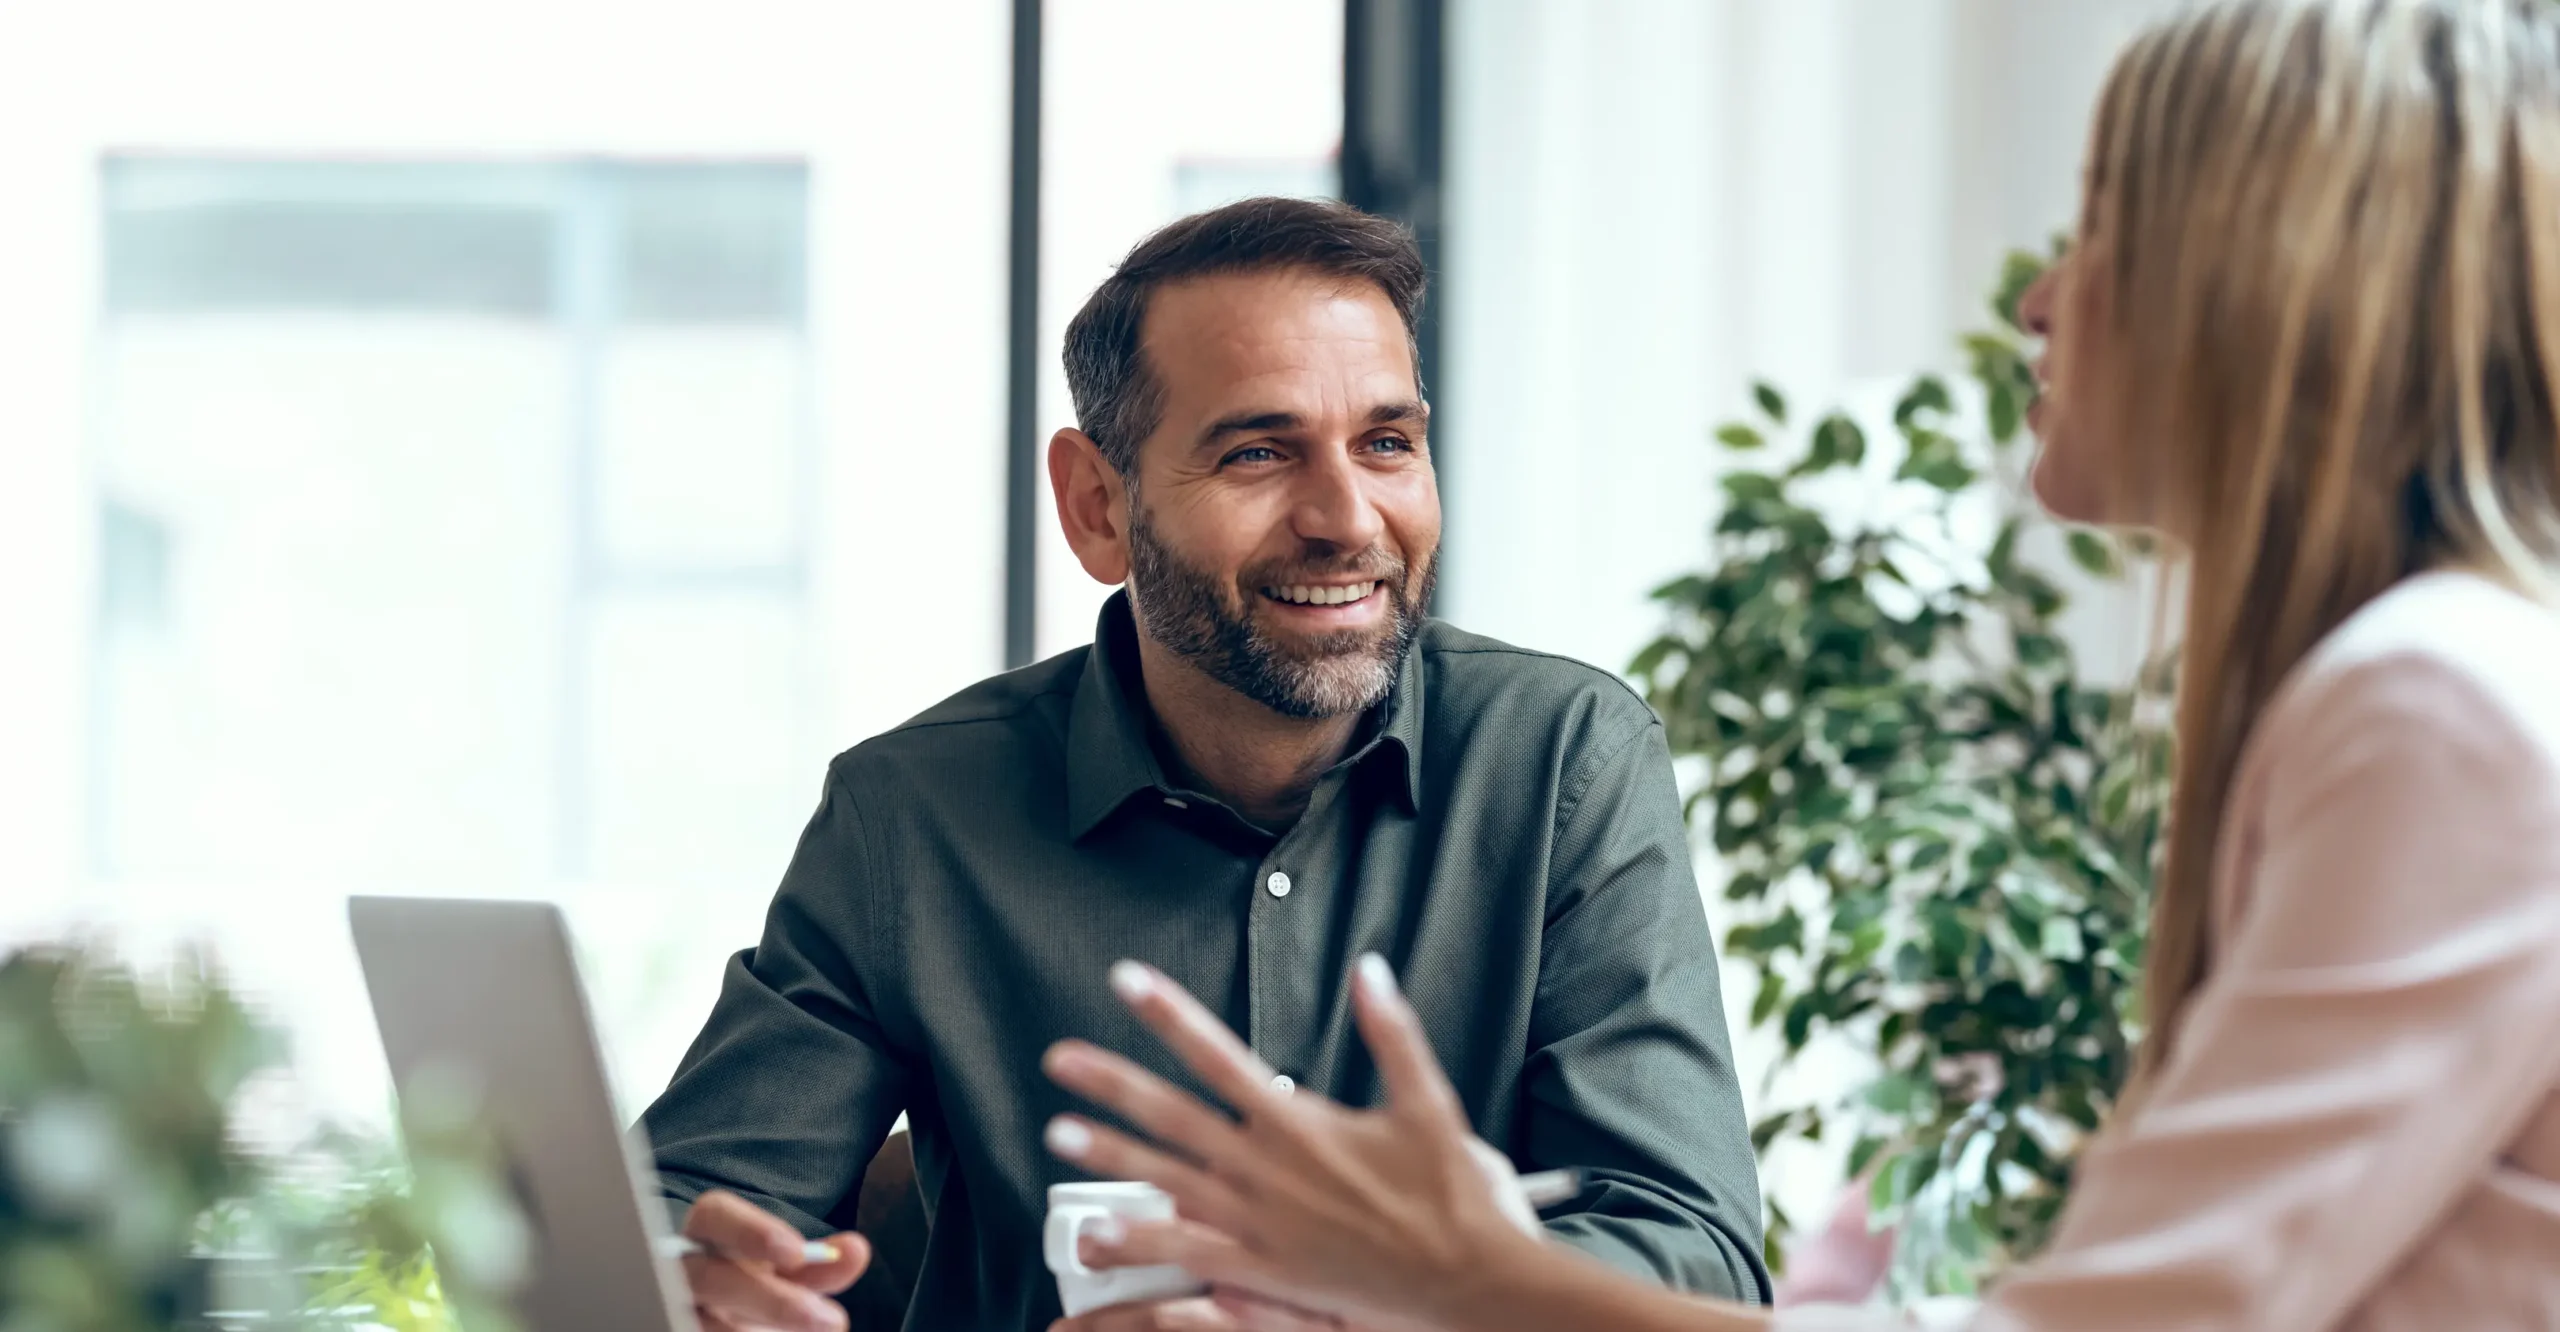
1506, 832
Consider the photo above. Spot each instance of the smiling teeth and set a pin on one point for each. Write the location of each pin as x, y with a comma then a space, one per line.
1320, 596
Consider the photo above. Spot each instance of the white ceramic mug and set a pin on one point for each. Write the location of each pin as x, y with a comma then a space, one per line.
1073, 1208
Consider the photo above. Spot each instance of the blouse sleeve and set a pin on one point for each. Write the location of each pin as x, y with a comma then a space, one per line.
2377, 1027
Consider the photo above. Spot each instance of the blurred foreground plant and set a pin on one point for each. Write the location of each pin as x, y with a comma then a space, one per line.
1939, 836
128, 1205
115, 1102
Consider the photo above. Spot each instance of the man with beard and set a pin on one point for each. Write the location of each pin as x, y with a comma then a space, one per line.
1269, 762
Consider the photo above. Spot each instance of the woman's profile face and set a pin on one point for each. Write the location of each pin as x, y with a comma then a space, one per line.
2081, 474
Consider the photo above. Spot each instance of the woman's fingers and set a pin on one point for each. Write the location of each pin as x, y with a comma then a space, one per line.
1242, 1284
1167, 1112
1416, 1086
1231, 1068
1200, 1249
1110, 1154
1256, 1314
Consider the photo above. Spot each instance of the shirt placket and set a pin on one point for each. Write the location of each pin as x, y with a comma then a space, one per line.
1283, 930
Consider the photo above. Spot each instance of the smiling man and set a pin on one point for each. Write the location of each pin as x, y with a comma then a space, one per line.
1269, 762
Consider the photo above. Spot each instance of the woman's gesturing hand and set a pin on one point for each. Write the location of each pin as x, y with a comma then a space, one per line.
1366, 1213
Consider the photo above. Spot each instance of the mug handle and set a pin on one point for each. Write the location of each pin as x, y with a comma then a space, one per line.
1065, 1227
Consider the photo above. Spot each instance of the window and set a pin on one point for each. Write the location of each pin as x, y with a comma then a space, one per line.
455, 538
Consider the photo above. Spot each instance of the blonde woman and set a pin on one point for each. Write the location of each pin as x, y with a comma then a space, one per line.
2310, 332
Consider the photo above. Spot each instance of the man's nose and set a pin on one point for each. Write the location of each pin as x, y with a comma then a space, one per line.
1334, 505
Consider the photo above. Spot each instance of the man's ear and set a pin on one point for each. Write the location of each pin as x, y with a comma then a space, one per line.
1093, 505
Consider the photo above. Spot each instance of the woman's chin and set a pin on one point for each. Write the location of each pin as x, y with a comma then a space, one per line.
2064, 492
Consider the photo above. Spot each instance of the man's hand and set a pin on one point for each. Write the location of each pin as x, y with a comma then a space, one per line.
751, 1275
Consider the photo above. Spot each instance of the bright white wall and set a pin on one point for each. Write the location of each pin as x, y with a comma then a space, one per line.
907, 308
1654, 201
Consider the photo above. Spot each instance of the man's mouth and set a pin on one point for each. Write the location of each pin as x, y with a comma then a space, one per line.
1322, 594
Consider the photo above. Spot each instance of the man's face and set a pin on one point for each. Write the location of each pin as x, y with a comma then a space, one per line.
1284, 518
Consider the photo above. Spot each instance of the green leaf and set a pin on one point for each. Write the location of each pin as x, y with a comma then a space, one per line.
1895, 1183
1771, 401
2004, 552
1928, 393
1760, 940
1768, 1128
1836, 442
1687, 588
1741, 437
1964, 1240
1651, 658
1751, 487
2001, 404
2061, 940
2042, 596
1948, 473
2092, 552
1773, 990
1895, 1094
1862, 1153
1798, 1027
2017, 273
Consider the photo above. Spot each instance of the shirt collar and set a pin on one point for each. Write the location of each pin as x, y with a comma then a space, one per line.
1109, 758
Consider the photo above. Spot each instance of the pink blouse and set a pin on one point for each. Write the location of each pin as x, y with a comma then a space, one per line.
2360, 1129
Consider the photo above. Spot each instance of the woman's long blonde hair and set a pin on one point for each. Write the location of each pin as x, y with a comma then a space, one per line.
2330, 255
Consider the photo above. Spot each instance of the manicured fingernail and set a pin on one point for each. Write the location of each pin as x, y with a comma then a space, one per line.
1069, 1138
1378, 976
1130, 980
819, 1251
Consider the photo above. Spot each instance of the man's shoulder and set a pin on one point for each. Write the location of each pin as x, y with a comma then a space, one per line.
1010, 717
1468, 675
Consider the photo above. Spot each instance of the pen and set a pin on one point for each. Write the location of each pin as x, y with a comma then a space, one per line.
677, 1246
1546, 1188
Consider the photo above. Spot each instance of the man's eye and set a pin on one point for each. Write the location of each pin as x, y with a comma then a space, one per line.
1392, 444
1253, 454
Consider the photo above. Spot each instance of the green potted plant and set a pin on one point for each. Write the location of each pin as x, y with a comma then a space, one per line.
1938, 835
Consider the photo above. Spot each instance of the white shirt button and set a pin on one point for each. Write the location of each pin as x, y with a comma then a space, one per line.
1177, 802
1278, 883
1284, 1084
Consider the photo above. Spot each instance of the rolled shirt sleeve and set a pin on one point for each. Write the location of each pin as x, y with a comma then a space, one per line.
1630, 1071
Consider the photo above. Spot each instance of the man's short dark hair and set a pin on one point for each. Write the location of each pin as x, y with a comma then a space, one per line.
1118, 398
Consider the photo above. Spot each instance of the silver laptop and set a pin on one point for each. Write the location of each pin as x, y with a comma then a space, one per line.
488, 991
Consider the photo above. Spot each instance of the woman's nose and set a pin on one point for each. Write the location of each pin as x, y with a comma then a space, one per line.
2035, 307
